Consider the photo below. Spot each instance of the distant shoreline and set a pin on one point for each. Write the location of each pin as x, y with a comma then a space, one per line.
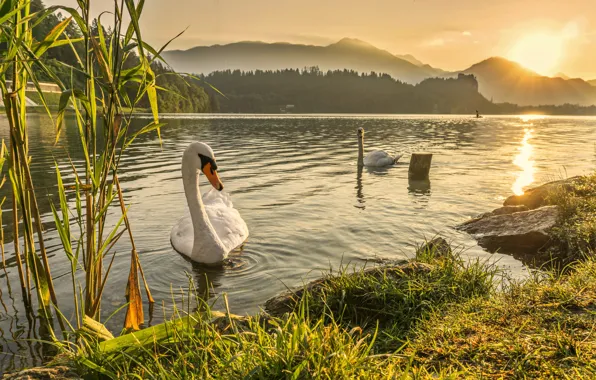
41, 110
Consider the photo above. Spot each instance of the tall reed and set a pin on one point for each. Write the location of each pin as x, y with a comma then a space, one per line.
112, 62
16, 60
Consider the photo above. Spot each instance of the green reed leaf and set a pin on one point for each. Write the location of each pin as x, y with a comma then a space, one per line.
40, 278
41, 15
6, 7
102, 62
102, 38
133, 27
152, 95
65, 97
148, 128
5, 10
110, 197
62, 233
112, 235
51, 37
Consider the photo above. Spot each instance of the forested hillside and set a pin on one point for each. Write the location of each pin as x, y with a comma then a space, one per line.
343, 91
177, 94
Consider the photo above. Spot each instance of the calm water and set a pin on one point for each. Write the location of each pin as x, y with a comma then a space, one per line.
308, 208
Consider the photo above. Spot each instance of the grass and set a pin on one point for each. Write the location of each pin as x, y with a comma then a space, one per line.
435, 317
540, 328
575, 233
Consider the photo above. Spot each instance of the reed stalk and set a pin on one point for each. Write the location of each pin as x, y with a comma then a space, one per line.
111, 63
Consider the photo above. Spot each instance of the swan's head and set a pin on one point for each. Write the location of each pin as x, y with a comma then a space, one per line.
203, 158
360, 132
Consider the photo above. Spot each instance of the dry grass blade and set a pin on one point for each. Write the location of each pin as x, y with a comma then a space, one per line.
134, 314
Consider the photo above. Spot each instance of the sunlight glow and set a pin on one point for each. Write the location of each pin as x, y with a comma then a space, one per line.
526, 118
540, 52
522, 160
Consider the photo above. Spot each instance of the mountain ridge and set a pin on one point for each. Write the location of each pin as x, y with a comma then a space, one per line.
347, 53
499, 79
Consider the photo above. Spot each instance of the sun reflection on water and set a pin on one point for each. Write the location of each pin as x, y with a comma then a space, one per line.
527, 118
522, 160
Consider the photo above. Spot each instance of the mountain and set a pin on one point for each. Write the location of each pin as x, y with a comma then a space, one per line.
505, 81
348, 53
561, 75
410, 58
592, 82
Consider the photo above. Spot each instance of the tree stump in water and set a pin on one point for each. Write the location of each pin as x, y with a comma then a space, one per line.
419, 166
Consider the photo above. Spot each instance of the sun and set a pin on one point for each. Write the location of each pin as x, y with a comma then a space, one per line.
540, 52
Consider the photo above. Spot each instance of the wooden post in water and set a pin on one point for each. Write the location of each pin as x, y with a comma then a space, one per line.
419, 166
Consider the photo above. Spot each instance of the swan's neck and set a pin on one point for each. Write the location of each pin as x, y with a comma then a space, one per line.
360, 150
207, 247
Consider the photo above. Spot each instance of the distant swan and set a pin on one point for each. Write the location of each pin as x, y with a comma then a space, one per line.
214, 227
377, 158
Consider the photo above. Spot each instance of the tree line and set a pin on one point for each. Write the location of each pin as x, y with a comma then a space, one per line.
311, 90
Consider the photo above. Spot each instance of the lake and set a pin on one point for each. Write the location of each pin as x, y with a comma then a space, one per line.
295, 181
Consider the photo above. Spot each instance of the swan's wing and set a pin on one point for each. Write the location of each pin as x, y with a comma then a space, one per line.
225, 219
378, 158
182, 236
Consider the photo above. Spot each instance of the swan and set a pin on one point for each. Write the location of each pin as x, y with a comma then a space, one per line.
377, 158
214, 227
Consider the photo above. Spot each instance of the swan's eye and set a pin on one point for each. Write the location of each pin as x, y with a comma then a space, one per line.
208, 160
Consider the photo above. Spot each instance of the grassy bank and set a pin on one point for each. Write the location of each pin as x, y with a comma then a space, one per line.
435, 316
575, 233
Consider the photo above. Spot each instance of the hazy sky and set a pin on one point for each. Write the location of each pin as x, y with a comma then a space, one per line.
450, 34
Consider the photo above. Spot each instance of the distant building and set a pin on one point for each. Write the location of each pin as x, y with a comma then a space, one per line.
469, 79
288, 108
45, 87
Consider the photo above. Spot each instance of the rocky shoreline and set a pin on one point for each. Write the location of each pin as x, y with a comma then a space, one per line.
523, 227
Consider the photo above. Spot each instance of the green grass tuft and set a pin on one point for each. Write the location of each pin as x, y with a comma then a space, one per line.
575, 234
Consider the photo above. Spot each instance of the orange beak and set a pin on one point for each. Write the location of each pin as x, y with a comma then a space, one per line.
213, 177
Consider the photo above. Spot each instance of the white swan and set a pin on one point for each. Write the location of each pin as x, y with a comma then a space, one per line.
377, 158
214, 227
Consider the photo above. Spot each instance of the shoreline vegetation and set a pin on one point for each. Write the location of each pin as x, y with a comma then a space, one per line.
435, 316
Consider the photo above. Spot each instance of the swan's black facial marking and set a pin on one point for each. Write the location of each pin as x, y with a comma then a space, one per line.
208, 160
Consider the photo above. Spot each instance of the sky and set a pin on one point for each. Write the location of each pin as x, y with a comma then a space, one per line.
551, 35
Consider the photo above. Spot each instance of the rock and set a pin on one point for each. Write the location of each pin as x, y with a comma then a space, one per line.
439, 246
506, 210
536, 197
45, 373
525, 232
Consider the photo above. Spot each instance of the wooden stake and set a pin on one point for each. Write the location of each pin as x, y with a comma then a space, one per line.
419, 166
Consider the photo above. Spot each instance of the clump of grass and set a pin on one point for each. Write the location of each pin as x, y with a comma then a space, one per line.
540, 328
396, 298
574, 236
